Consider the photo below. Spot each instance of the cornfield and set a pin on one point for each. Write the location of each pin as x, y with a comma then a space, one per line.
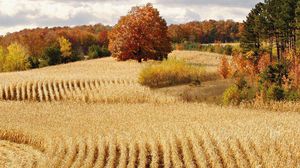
70, 119
146, 135
101, 91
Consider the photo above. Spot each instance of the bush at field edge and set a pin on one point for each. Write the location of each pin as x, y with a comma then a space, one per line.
173, 72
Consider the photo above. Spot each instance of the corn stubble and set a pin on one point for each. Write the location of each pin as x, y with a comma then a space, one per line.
176, 138
114, 122
97, 91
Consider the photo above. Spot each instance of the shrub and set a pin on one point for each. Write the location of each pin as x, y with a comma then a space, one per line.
211, 48
51, 56
275, 93
274, 74
179, 47
241, 82
228, 49
232, 95
218, 48
172, 72
292, 95
33, 62
238, 93
294, 74
94, 52
105, 52
264, 62
224, 68
78, 54
16, 58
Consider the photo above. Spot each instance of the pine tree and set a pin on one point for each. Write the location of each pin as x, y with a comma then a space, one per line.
297, 20
274, 20
251, 36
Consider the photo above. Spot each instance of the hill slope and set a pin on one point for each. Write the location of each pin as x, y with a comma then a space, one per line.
132, 126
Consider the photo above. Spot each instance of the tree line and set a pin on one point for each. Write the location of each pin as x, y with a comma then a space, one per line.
142, 34
209, 31
51, 46
81, 37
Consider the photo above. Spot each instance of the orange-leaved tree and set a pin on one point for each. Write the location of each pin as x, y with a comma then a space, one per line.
224, 68
141, 35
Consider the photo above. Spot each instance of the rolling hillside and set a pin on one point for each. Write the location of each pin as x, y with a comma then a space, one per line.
95, 114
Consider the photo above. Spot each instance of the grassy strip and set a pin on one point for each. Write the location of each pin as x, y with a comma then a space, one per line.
173, 72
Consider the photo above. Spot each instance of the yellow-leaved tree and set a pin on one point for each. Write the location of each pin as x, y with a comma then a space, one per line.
2, 59
16, 58
65, 47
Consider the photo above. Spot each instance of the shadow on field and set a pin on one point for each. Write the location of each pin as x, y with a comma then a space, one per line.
210, 91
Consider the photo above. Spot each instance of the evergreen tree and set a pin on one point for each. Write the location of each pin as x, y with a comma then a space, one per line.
251, 36
273, 20
297, 20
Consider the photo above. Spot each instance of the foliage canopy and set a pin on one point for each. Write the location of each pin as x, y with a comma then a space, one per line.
141, 35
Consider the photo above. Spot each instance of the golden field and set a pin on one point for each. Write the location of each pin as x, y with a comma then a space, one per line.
95, 114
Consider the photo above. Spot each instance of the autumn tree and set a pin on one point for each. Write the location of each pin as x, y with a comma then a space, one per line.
103, 38
16, 58
2, 58
65, 47
224, 69
140, 35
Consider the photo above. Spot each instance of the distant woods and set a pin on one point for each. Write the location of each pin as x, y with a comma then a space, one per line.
145, 36
82, 37
51, 46
209, 31
36, 40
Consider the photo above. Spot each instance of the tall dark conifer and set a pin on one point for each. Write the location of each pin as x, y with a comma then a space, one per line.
251, 36
273, 20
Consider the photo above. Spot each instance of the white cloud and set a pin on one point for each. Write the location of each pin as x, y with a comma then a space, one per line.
18, 14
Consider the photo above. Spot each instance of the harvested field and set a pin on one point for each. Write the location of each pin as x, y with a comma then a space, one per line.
94, 119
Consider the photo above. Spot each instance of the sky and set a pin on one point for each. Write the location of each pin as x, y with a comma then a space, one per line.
16, 15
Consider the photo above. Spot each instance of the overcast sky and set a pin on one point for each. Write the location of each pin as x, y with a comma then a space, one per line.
19, 14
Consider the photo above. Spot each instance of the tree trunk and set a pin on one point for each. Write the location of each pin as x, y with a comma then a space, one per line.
139, 59
139, 55
278, 49
271, 48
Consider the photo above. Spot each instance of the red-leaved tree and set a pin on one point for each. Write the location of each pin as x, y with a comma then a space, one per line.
140, 35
